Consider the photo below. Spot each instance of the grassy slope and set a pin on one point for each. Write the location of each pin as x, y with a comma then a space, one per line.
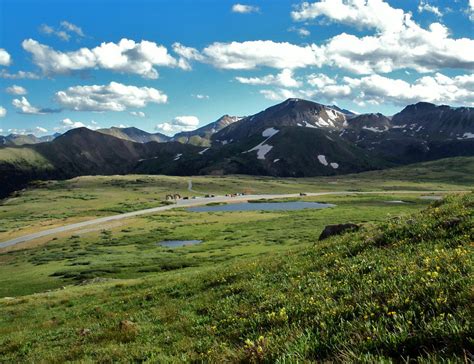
459, 170
92, 196
24, 158
397, 289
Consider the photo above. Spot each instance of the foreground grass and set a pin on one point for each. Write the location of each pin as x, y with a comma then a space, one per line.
397, 290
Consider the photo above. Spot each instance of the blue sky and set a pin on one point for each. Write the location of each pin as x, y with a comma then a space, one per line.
232, 58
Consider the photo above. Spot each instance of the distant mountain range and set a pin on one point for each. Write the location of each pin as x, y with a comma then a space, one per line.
135, 135
294, 138
22, 139
202, 136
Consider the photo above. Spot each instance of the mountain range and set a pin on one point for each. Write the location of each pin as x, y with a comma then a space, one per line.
294, 138
135, 135
202, 136
22, 139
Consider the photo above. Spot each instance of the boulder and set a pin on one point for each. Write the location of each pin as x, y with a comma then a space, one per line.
338, 229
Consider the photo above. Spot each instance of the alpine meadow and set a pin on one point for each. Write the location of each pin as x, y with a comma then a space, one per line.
223, 182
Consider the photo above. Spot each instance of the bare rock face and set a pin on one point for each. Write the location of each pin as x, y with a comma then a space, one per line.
331, 230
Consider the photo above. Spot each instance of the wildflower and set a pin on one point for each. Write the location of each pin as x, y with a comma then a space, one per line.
283, 314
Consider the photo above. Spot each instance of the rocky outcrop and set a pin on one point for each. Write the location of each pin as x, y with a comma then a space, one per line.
331, 230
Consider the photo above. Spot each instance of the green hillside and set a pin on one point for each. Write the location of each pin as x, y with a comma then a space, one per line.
397, 290
23, 158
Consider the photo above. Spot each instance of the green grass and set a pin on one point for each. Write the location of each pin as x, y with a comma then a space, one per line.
54, 203
397, 290
129, 250
24, 158
260, 288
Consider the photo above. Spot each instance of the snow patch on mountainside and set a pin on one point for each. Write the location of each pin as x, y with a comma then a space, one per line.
375, 130
203, 151
306, 124
333, 114
322, 160
467, 136
178, 156
323, 123
269, 132
262, 148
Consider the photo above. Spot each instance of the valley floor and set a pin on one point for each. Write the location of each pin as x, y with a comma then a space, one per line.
260, 287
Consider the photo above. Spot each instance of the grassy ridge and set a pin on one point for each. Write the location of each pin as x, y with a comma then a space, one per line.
396, 290
24, 158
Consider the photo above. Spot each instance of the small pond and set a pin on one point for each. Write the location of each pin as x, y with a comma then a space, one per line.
178, 243
262, 206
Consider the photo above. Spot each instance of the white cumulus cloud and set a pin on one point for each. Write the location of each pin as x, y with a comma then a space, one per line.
244, 9
72, 28
16, 90
200, 96
73, 124
126, 56
320, 80
280, 94
376, 89
20, 75
398, 42
359, 13
139, 114
284, 79
25, 107
63, 32
187, 54
426, 6
68, 124
179, 123
252, 54
112, 97
3, 112
440, 89
302, 32
5, 58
